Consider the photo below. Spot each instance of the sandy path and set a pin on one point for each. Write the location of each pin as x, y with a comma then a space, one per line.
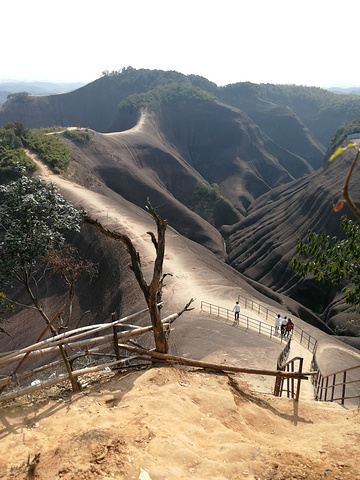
192, 278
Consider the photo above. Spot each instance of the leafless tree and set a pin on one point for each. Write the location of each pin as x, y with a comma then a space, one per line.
152, 291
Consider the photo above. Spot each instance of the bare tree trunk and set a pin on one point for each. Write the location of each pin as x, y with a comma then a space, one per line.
76, 387
74, 383
160, 333
151, 292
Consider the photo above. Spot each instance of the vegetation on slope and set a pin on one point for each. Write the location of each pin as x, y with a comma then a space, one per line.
143, 80
13, 159
51, 149
320, 110
79, 136
343, 131
207, 201
164, 95
14, 137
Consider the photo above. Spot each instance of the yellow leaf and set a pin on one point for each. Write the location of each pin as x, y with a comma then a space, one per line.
339, 150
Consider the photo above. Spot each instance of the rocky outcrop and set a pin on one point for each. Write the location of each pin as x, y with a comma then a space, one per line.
261, 245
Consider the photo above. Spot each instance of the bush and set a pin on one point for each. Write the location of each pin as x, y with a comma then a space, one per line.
51, 149
79, 136
340, 330
13, 159
207, 200
343, 131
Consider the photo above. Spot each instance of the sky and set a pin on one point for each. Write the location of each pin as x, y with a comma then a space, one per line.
313, 43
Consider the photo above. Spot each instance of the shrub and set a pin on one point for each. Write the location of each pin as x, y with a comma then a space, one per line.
13, 160
51, 149
79, 136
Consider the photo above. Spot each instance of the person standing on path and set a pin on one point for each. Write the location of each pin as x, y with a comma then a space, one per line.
236, 309
277, 323
289, 328
284, 322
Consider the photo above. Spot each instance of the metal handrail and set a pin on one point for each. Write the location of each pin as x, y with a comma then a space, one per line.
324, 384
244, 320
320, 382
299, 335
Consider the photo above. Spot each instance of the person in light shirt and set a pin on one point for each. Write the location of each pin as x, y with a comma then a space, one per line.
284, 322
277, 323
236, 309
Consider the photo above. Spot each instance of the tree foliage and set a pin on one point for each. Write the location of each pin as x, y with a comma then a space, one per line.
13, 159
5, 307
34, 218
142, 80
79, 136
206, 200
333, 259
164, 95
67, 263
343, 131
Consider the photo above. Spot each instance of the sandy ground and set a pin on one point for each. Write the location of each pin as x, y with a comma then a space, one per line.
169, 423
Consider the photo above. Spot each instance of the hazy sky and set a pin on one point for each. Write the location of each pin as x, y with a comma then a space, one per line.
312, 42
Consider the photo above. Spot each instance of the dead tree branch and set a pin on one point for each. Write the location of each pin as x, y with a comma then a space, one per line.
151, 291
345, 190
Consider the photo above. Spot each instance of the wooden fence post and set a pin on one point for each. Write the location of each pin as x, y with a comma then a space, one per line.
116, 341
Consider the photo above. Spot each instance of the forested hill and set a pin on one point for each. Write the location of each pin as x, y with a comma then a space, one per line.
281, 111
241, 165
321, 111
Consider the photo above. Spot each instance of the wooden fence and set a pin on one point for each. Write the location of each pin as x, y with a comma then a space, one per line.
81, 343
77, 347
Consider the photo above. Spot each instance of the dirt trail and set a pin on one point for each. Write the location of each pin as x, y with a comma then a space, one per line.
169, 423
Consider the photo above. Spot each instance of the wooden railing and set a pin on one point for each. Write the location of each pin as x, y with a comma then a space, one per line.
291, 388
91, 345
81, 343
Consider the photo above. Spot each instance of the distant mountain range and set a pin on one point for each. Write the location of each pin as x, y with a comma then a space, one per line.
259, 151
35, 88
345, 91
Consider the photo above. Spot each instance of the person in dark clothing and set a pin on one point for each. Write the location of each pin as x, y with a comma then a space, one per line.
289, 328
284, 322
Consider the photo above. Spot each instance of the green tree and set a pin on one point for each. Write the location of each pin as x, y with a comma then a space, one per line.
333, 259
4, 307
34, 219
13, 159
